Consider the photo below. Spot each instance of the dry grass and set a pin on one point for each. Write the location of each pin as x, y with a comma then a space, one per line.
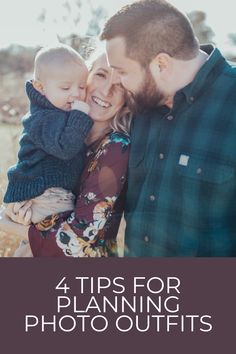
9, 135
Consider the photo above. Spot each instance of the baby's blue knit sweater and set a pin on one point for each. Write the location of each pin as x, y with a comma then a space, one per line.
52, 149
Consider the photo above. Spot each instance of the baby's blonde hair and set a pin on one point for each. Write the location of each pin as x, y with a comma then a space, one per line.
60, 55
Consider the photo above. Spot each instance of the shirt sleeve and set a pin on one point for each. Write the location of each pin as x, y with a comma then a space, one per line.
58, 133
81, 233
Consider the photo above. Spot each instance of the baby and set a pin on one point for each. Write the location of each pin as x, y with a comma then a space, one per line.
52, 150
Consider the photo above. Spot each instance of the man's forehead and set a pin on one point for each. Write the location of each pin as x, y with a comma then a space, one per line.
115, 49
116, 43
116, 54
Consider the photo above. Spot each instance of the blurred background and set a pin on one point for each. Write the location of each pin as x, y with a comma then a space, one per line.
27, 25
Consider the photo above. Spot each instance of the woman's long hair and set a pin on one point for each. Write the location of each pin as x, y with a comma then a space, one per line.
122, 120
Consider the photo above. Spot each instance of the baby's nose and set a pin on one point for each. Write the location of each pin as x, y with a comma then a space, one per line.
78, 94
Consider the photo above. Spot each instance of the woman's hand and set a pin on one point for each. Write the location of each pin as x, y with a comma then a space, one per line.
20, 212
11, 227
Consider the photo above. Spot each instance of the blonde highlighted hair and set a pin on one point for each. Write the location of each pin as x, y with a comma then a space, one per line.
122, 120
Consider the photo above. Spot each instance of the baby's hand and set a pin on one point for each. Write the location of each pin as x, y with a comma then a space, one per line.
80, 106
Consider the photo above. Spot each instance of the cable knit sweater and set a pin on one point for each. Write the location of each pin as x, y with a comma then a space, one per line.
52, 149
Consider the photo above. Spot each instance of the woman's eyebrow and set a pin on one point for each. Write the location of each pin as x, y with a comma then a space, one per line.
106, 71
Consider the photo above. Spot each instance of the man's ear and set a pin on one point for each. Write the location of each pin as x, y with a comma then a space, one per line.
161, 63
38, 86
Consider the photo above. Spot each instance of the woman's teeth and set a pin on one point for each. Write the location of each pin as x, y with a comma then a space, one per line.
101, 102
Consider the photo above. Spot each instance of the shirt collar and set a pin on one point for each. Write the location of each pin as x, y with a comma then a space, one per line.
206, 75
36, 98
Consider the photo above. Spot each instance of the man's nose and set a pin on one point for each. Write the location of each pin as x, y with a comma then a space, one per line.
115, 77
109, 85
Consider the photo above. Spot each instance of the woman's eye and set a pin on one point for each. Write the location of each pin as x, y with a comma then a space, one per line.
101, 75
65, 88
82, 87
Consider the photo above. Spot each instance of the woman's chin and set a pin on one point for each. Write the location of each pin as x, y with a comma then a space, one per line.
97, 116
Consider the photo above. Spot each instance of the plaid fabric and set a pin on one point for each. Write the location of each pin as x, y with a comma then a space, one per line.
181, 198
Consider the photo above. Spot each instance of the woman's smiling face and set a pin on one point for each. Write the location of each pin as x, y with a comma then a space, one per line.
104, 98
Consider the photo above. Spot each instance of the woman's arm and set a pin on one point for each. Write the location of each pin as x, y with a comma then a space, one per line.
81, 234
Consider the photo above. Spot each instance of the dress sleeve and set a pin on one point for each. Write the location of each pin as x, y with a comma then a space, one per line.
81, 234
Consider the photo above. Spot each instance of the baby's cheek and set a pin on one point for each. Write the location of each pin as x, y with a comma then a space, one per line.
82, 95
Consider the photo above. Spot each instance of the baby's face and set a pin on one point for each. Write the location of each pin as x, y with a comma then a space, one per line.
64, 85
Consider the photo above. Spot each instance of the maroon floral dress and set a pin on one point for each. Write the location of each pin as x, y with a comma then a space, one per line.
91, 229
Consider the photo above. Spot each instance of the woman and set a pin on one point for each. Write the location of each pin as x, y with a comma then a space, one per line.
89, 231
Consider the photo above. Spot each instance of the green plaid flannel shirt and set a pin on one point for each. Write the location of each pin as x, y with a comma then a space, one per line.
181, 198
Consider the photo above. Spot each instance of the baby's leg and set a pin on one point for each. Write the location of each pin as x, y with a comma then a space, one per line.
23, 250
12, 211
52, 201
16, 213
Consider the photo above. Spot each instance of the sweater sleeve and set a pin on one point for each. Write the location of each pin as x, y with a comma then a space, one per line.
57, 133
81, 233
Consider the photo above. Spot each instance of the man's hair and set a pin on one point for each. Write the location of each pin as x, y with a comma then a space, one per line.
55, 55
150, 27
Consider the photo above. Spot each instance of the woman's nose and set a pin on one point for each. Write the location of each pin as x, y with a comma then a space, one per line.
107, 88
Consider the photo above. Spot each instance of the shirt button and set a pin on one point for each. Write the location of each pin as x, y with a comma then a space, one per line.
161, 156
170, 117
152, 198
191, 99
146, 238
199, 171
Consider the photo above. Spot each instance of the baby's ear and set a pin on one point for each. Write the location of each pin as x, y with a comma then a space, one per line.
38, 86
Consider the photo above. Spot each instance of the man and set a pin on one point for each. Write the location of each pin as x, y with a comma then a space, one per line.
181, 198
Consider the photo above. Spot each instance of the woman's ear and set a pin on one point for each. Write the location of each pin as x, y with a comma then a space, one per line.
38, 86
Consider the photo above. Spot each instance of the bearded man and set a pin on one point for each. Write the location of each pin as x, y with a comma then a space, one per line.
181, 180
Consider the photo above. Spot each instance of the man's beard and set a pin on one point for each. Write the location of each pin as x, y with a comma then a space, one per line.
148, 97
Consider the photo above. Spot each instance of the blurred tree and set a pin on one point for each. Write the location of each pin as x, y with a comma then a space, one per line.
232, 52
42, 16
203, 32
232, 38
64, 21
72, 14
99, 14
16, 58
84, 45
69, 18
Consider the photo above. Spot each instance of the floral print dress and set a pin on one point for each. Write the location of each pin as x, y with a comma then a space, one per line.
91, 229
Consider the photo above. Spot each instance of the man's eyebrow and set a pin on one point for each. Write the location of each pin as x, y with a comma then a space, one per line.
116, 67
